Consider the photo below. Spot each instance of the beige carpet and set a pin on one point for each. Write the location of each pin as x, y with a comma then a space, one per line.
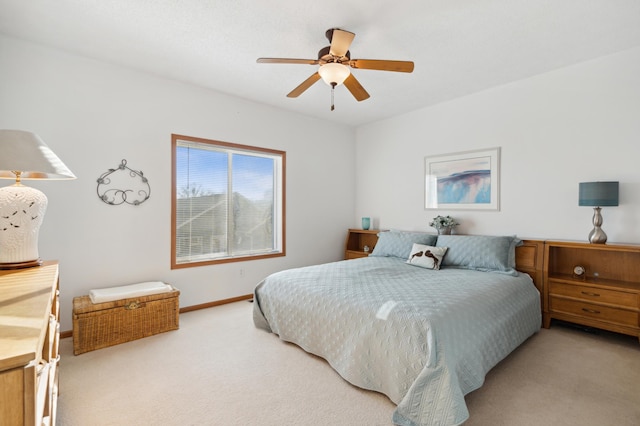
219, 370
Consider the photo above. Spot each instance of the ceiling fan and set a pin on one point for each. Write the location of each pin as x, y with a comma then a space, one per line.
334, 61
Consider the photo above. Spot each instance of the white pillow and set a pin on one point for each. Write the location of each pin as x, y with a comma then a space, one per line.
426, 256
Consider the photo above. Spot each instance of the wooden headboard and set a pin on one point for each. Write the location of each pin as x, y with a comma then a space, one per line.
530, 259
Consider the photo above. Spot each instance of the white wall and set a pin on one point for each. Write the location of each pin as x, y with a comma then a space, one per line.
576, 124
93, 115
555, 130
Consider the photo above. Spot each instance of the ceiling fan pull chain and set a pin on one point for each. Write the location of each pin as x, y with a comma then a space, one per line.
333, 86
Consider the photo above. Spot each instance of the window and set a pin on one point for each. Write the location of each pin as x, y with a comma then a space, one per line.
228, 202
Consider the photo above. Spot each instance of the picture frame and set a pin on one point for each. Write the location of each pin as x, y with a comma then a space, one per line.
467, 180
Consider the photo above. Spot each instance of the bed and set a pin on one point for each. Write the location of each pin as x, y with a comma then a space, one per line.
422, 320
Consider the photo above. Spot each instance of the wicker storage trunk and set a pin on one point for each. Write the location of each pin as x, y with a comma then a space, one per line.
98, 325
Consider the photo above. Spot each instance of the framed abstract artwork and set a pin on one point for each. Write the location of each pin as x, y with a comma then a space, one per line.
463, 181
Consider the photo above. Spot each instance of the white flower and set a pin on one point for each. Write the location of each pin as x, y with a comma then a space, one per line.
440, 222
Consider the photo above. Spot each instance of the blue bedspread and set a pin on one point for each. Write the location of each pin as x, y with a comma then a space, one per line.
424, 338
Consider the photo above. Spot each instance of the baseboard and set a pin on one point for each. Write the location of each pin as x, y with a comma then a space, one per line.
69, 333
216, 303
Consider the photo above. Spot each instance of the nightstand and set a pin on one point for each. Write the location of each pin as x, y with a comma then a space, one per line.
357, 239
596, 285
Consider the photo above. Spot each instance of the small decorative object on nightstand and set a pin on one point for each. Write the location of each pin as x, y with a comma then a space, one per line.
360, 243
366, 223
596, 285
443, 224
597, 195
579, 272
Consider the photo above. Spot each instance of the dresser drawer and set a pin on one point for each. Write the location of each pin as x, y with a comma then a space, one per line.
596, 295
598, 312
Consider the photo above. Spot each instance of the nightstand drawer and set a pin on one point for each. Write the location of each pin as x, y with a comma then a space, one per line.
589, 310
352, 254
596, 295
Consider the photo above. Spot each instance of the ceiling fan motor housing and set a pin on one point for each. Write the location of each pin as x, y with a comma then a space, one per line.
324, 57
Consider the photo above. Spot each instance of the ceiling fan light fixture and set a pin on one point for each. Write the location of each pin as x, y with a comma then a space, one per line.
334, 73
332, 69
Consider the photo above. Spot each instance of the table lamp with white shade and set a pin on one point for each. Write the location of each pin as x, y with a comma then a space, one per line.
24, 156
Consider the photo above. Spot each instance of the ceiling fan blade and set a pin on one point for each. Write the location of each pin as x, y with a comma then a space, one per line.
340, 42
304, 86
356, 88
287, 61
382, 65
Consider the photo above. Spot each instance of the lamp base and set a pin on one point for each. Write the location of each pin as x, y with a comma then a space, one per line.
22, 210
597, 235
21, 265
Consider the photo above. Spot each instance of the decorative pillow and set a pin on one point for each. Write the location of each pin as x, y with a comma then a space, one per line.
398, 243
426, 256
479, 252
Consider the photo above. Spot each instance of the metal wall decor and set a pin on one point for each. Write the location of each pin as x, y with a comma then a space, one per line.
135, 192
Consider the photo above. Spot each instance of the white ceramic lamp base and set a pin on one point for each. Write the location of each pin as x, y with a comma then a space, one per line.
22, 211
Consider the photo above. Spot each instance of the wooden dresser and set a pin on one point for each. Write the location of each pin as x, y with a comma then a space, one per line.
29, 336
606, 295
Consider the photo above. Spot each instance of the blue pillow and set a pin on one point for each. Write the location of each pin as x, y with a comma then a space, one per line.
399, 243
481, 253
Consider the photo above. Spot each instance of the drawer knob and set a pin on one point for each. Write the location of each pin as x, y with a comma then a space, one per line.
586, 293
591, 311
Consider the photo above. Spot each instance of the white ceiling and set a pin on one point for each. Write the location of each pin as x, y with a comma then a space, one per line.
458, 46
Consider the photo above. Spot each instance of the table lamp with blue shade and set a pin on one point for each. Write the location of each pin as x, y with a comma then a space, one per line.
597, 195
24, 156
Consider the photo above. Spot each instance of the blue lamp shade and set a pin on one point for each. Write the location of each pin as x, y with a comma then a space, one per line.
598, 194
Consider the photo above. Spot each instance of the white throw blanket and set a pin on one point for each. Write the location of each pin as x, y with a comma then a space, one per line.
102, 295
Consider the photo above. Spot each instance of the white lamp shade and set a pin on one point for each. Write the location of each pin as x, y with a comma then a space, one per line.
25, 152
334, 73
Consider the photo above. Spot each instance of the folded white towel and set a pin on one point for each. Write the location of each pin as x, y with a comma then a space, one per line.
102, 295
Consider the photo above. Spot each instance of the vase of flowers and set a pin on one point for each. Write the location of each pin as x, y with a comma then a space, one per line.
443, 224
